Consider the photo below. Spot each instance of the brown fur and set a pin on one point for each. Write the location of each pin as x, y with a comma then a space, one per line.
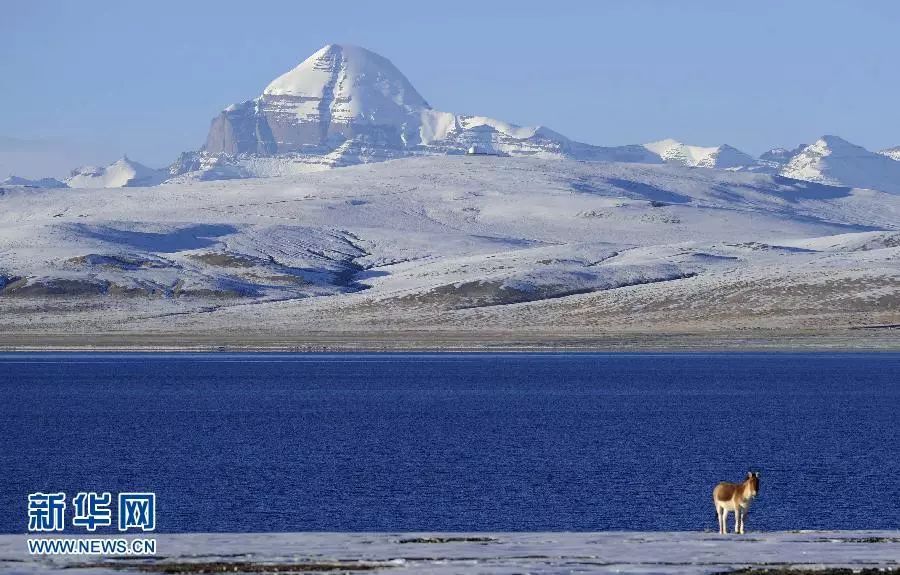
735, 497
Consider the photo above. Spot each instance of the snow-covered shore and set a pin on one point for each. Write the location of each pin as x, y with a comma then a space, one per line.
494, 553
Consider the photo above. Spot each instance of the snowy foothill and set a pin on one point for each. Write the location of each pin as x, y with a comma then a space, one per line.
453, 242
121, 173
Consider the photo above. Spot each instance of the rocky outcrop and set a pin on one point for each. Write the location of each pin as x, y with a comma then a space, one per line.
339, 93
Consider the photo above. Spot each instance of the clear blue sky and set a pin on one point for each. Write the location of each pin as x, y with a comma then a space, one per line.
102, 78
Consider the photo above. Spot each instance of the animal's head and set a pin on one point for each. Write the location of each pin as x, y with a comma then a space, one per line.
753, 482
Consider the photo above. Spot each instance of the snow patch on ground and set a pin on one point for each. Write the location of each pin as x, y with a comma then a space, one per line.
682, 553
457, 241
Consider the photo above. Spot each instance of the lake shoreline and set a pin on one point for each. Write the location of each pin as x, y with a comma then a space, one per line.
871, 339
686, 553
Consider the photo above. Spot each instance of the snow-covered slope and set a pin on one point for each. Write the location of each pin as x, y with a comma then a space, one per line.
345, 105
447, 239
722, 157
892, 153
41, 183
121, 173
835, 161
777, 158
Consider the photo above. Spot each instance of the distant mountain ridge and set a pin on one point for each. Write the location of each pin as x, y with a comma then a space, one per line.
346, 105
27, 183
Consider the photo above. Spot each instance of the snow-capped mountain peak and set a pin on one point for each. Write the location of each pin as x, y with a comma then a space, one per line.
892, 153
723, 157
835, 161
347, 105
828, 145
344, 75
339, 93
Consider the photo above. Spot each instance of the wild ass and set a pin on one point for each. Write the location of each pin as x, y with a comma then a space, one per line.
735, 497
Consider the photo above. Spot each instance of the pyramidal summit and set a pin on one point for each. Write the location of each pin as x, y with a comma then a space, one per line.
347, 105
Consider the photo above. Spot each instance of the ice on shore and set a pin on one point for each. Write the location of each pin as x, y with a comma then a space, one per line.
493, 553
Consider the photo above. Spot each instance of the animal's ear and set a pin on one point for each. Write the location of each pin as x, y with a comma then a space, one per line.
749, 474
756, 474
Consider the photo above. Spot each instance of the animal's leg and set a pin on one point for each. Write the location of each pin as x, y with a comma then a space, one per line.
724, 521
719, 517
738, 520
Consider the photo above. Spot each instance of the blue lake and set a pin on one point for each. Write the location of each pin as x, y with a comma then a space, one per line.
277, 442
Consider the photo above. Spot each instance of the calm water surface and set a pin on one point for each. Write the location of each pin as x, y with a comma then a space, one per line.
456, 442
